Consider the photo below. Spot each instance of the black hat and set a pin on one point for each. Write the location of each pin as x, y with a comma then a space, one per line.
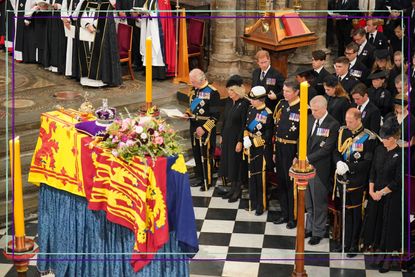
257, 92
302, 69
389, 128
234, 80
381, 54
377, 74
399, 99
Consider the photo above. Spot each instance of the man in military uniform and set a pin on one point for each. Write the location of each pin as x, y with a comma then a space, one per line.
341, 66
366, 50
203, 113
353, 160
257, 136
287, 122
268, 77
356, 68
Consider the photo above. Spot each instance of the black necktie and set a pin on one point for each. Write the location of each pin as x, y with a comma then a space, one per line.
262, 76
314, 133
371, 39
358, 107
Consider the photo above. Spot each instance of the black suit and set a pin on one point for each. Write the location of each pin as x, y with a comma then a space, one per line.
318, 80
380, 41
366, 56
413, 77
321, 144
273, 80
344, 26
348, 82
360, 72
411, 14
371, 117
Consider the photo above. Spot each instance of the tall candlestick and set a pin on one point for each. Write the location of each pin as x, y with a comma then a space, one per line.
15, 165
149, 72
303, 121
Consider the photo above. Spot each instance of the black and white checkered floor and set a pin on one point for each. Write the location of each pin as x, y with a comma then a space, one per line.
252, 245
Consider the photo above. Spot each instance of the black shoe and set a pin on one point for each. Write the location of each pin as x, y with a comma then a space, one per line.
228, 194
291, 224
203, 188
308, 234
197, 184
353, 251
235, 196
280, 220
386, 265
222, 190
259, 211
314, 240
339, 248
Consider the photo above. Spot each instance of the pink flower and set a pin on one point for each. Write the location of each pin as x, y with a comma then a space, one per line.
124, 138
144, 120
159, 140
115, 139
156, 134
114, 152
161, 128
121, 145
129, 142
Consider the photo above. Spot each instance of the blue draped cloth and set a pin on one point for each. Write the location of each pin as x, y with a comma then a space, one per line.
67, 226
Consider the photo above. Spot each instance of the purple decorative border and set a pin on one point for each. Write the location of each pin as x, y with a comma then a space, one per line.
248, 259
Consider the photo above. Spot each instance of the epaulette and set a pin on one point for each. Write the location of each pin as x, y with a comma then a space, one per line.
372, 135
268, 110
278, 110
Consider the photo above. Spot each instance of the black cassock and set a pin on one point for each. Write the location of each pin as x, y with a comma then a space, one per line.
234, 118
2, 17
55, 43
383, 219
100, 60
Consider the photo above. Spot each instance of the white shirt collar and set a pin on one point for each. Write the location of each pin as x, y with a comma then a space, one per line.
363, 106
318, 69
266, 70
352, 63
374, 34
322, 119
361, 47
342, 76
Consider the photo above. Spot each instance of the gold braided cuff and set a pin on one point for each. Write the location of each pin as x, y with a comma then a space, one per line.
209, 125
258, 141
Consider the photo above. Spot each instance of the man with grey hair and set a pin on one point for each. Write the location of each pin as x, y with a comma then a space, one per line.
204, 101
322, 138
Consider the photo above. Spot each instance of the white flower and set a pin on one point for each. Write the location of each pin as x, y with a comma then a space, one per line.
143, 136
114, 152
144, 120
129, 142
138, 129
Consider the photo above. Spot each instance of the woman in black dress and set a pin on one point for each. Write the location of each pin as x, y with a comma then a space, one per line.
382, 228
338, 101
234, 118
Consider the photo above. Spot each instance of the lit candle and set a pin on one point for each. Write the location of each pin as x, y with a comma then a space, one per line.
303, 121
149, 73
18, 188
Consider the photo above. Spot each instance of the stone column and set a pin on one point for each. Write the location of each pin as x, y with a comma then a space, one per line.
224, 60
